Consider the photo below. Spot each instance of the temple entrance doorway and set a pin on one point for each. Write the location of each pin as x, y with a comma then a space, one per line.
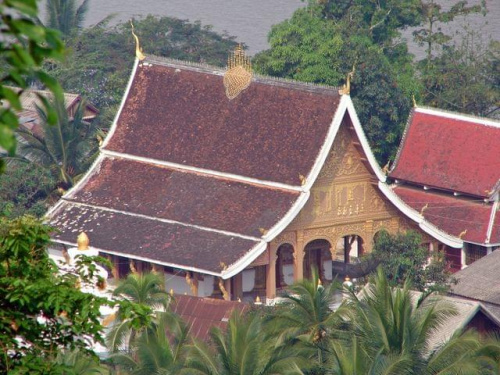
317, 255
284, 266
348, 252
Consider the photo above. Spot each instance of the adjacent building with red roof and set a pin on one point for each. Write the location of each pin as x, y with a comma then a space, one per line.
448, 169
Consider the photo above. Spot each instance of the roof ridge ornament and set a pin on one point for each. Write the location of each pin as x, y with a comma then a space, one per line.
346, 88
239, 74
138, 50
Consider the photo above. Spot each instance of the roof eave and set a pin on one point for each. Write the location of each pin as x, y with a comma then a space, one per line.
425, 225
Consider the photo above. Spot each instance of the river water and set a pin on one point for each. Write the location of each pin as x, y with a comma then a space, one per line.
251, 20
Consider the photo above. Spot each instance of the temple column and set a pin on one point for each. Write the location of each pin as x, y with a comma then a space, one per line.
368, 241
298, 257
271, 274
227, 285
463, 257
192, 281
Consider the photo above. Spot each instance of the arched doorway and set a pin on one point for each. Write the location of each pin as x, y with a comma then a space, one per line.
317, 254
284, 266
348, 251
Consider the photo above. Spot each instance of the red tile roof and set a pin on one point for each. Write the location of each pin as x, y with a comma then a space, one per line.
451, 152
453, 214
185, 197
201, 314
272, 131
148, 239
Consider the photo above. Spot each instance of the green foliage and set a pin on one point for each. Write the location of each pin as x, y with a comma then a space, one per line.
25, 189
465, 76
379, 19
313, 48
433, 15
160, 348
40, 312
305, 320
65, 149
65, 16
99, 59
242, 349
403, 259
145, 289
24, 46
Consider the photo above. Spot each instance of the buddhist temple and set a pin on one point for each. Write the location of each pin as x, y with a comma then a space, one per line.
235, 185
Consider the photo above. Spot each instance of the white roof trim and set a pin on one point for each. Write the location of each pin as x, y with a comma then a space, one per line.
227, 176
244, 261
459, 116
167, 221
364, 142
287, 219
426, 226
493, 213
327, 145
122, 104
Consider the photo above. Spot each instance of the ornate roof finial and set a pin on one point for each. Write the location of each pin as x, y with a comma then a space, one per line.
346, 89
138, 49
386, 168
462, 234
413, 101
238, 75
83, 241
424, 208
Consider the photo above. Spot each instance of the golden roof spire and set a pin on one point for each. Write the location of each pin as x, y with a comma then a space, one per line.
83, 241
238, 75
346, 89
138, 49
414, 101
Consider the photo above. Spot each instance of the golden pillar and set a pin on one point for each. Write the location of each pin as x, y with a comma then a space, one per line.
271, 273
298, 257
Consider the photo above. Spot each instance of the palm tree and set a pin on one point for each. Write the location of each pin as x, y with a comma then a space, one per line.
140, 288
392, 327
305, 319
66, 149
351, 358
159, 349
465, 353
65, 16
80, 363
242, 349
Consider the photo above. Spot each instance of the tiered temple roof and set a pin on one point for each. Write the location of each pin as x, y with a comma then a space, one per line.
190, 179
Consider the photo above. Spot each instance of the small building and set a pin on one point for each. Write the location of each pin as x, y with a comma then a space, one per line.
30, 102
235, 185
480, 282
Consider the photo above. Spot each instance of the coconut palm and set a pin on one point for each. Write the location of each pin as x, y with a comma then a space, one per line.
465, 353
65, 15
66, 149
305, 319
80, 363
144, 289
394, 325
159, 349
242, 349
389, 319
351, 358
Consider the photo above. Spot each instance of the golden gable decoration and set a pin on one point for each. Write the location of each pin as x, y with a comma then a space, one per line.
239, 73
138, 50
